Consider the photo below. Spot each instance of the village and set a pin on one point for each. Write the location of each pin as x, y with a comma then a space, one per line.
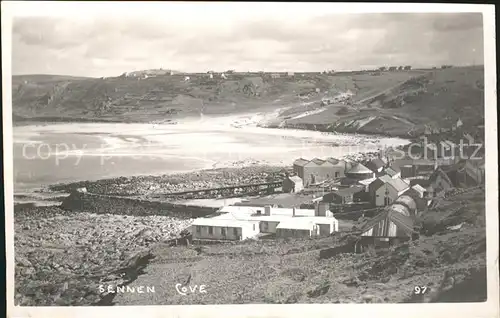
324, 196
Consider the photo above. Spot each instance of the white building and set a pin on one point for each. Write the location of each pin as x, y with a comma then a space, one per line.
319, 221
220, 229
186, 79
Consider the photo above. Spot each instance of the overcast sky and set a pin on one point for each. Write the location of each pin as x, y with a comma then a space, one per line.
202, 40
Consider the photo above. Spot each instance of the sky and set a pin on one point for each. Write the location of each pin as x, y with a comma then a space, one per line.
241, 37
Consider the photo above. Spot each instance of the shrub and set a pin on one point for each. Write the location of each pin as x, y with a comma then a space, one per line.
342, 111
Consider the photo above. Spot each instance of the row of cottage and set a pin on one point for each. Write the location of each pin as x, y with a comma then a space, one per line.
377, 182
382, 181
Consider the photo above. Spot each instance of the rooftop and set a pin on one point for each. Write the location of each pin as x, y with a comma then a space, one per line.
398, 184
380, 181
359, 169
391, 172
295, 179
241, 211
367, 181
296, 224
419, 188
318, 161
222, 222
348, 191
375, 164
402, 221
333, 161
300, 162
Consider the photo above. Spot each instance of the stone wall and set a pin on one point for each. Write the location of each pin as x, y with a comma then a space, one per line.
105, 204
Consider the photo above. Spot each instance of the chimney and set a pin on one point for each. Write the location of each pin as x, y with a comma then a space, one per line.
267, 210
293, 212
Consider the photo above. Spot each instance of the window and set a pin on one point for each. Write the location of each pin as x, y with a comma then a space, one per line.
210, 230
235, 232
223, 231
198, 229
337, 174
254, 226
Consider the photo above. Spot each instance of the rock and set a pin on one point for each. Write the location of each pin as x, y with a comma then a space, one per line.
22, 261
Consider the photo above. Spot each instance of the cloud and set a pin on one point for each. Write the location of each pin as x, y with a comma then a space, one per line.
96, 46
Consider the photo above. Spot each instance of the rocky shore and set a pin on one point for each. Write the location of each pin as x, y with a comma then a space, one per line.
203, 179
62, 257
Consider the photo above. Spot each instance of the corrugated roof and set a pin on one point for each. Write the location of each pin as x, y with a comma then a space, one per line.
300, 162
402, 221
398, 184
222, 222
359, 169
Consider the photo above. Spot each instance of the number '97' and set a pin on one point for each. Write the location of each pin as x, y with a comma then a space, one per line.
420, 290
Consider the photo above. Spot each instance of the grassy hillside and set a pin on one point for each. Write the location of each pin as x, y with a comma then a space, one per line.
450, 263
394, 103
436, 98
154, 98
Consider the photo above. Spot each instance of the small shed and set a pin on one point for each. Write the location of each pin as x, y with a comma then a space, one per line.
387, 228
292, 184
343, 196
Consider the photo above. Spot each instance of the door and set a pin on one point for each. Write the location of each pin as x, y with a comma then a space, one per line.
387, 201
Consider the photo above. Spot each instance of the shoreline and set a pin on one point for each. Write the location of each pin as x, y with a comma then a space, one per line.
246, 121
